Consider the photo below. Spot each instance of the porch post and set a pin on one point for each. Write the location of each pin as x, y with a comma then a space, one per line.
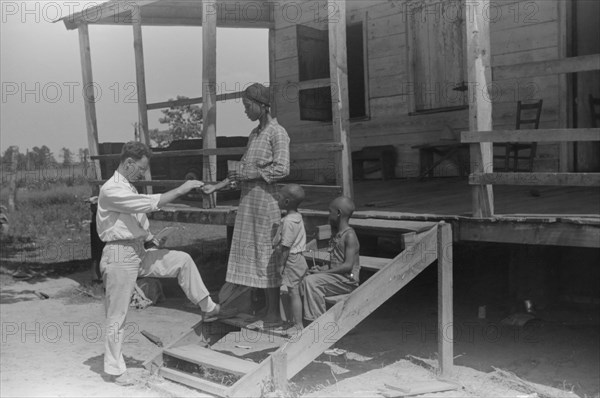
338, 70
445, 299
140, 78
272, 74
480, 104
89, 100
209, 94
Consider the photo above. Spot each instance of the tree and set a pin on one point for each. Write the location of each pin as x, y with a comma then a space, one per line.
67, 156
184, 121
7, 159
42, 156
161, 138
84, 155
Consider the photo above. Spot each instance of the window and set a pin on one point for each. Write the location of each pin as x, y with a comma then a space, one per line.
313, 64
436, 58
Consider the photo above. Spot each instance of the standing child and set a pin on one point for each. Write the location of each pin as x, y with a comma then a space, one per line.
290, 242
341, 277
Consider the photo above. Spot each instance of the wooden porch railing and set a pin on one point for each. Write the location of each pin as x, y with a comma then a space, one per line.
329, 147
488, 177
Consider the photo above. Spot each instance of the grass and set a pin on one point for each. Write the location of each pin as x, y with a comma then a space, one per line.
50, 224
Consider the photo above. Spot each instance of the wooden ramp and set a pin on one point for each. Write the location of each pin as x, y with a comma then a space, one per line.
227, 359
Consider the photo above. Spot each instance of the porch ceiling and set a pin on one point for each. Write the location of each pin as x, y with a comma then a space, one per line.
230, 13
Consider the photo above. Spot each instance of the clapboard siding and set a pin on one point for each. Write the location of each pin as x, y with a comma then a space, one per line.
521, 31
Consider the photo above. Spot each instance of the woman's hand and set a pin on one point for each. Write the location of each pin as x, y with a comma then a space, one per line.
208, 189
244, 173
314, 270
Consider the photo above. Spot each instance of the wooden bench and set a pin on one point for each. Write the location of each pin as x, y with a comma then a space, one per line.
368, 226
446, 150
383, 155
366, 263
321, 257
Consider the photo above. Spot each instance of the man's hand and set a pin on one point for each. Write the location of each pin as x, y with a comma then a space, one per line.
160, 243
189, 185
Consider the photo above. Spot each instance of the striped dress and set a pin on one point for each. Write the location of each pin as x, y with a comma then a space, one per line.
252, 260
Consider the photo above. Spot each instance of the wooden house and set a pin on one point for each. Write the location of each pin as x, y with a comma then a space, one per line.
428, 86
409, 75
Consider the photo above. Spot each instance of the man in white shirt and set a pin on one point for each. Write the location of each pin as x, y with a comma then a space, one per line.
123, 225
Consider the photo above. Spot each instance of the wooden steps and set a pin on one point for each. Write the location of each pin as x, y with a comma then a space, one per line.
366, 262
249, 344
243, 363
245, 321
193, 381
211, 359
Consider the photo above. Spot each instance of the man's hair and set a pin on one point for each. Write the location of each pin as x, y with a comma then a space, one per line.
135, 150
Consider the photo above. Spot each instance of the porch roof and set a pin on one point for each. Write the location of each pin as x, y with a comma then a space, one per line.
230, 13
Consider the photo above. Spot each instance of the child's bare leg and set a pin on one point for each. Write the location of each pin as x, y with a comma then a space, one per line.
273, 314
296, 304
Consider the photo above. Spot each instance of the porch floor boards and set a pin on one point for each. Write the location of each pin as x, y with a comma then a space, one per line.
452, 196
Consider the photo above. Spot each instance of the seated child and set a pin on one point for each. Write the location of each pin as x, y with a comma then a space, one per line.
341, 276
290, 242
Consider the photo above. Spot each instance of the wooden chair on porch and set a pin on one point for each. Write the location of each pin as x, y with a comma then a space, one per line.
528, 116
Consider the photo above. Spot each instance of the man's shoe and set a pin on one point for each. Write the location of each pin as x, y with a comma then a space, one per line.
123, 380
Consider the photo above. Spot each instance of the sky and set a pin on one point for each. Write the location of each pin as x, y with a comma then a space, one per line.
41, 75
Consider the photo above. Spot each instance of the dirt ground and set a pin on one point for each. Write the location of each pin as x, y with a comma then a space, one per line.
54, 346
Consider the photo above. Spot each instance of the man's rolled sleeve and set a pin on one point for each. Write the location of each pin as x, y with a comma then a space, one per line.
124, 201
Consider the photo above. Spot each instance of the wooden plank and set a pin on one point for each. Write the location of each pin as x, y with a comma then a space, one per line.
320, 189
221, 215
314, 83
193, 381
527, 37
253, 327
480, 107
445, 300
321, 257
394, 226
102, 13
560, 179
191, 101
188, 21
321, 147
565, 158
273, 71
209, 93
89, 100
140, 79
249, 344
373, 263
531, 135
212, 359
316, 189
581, 63
338, 70
345, 315
279, 372
419, 388
557, 234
